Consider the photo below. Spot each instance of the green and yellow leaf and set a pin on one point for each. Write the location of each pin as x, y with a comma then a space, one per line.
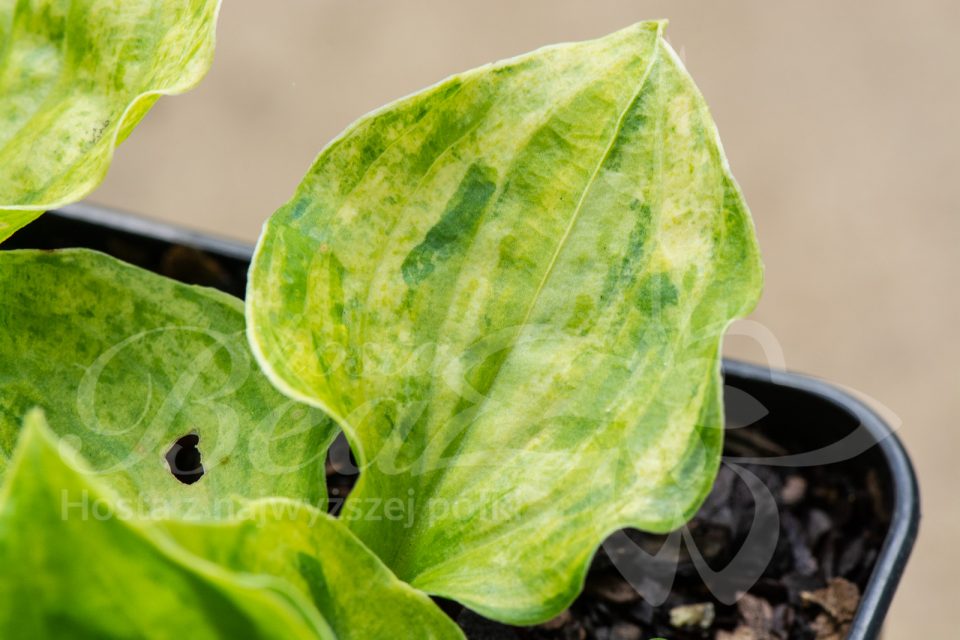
75, 79
510, 291
74, 567
125, 363
355, 593
115, 546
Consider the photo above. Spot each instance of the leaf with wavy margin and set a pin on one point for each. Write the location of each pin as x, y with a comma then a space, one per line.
77, 564
510, 291
125, 362
73, 567
75, 79
355, 593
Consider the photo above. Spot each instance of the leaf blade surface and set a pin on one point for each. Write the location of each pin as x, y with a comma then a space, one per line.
74, 566
510, 290
75, 79
125, 363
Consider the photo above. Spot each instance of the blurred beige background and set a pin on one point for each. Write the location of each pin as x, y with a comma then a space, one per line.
840, 120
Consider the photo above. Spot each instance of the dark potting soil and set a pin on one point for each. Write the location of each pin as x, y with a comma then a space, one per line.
832, 519
831, 529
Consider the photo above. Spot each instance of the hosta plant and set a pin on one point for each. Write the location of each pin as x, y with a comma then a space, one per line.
508, 291
75, 79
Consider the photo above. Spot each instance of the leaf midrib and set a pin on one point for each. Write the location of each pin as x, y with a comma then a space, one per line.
435, 478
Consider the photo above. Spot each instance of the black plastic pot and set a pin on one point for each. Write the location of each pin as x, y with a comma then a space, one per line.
813, 416
803, 414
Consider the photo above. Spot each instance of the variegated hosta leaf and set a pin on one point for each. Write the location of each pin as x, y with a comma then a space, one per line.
355, 593
78, 565
75, 79
75, 567
126, 362
510, 291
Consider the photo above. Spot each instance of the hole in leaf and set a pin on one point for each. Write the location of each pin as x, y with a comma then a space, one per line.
342, 473
183, 459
